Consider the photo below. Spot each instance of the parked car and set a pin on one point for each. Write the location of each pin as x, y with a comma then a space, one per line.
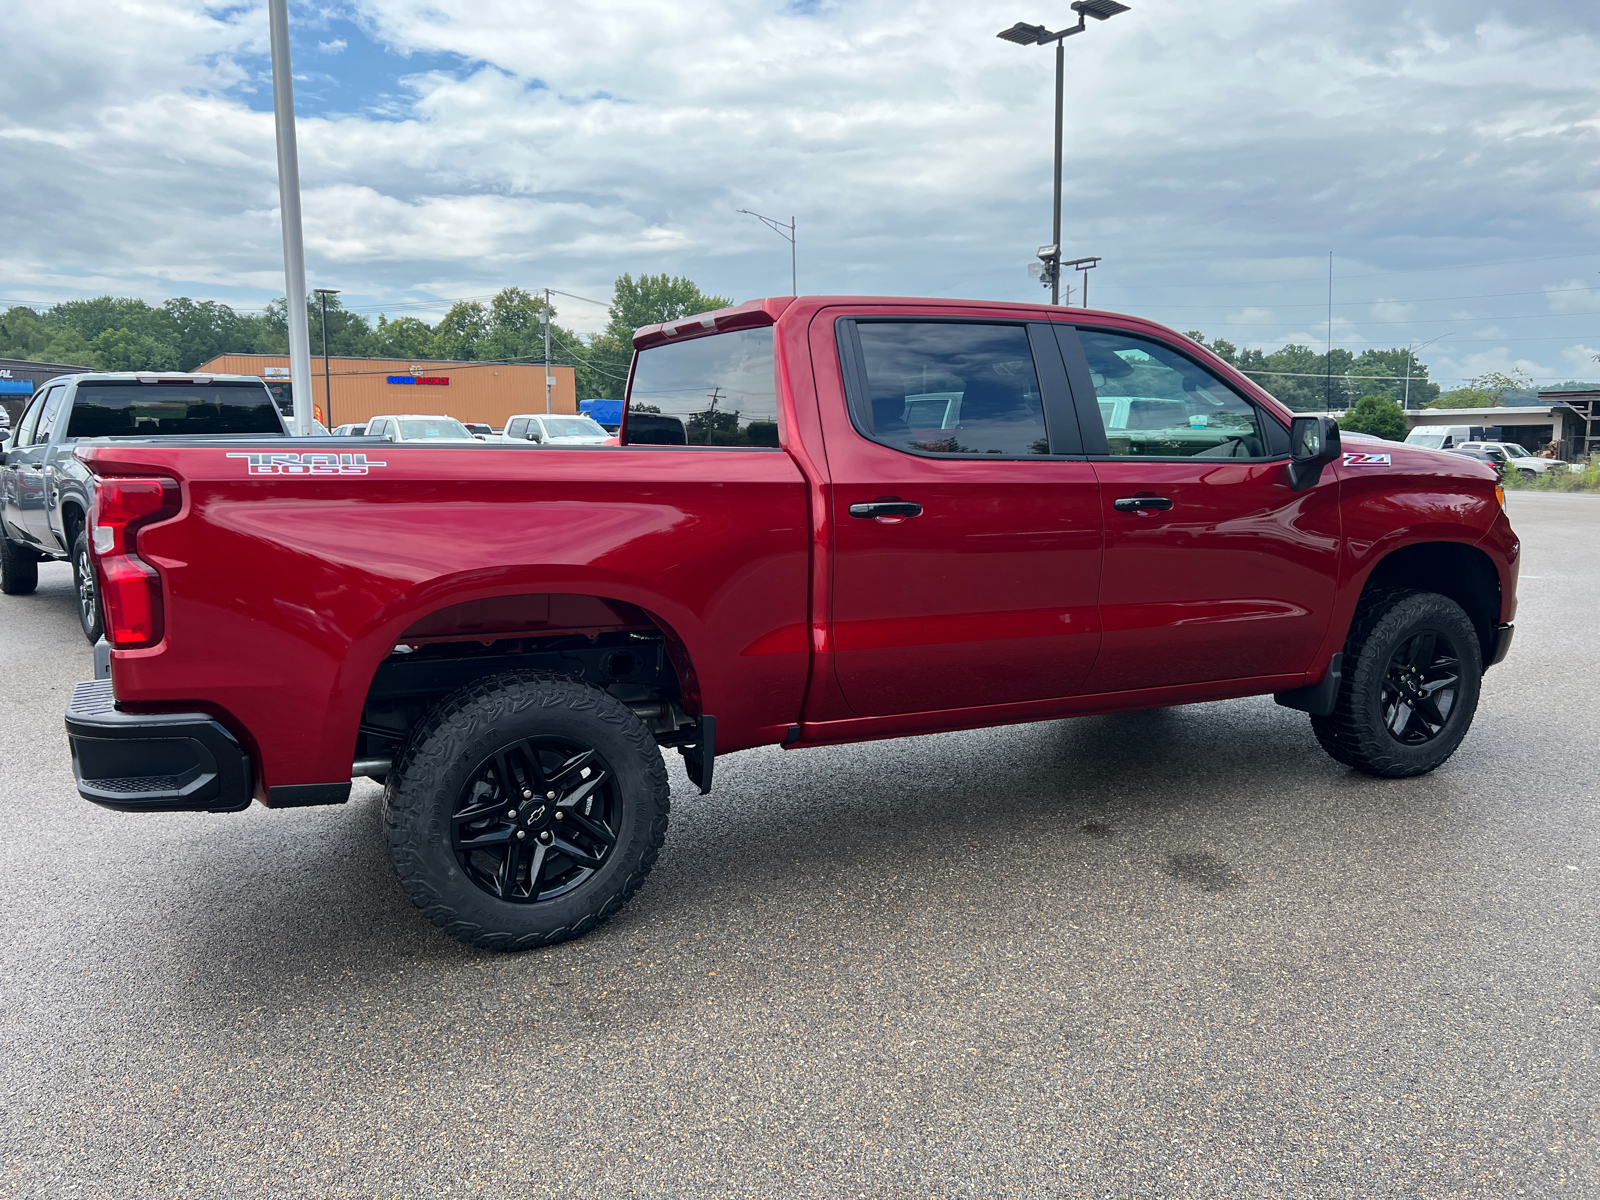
510, 640
479, 430
46, 493
555, 430
653, 429
1441, 437
357, 429
414, 427
1528, 464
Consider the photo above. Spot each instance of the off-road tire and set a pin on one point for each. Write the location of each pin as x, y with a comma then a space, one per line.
19, 568
91, 618
1355, 733
437, 763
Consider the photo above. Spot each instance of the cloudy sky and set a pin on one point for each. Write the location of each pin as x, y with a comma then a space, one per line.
1447, 153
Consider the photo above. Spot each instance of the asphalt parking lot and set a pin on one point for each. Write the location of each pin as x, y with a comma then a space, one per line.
1178, 953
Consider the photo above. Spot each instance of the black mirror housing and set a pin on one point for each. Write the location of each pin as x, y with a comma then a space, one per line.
1313, 444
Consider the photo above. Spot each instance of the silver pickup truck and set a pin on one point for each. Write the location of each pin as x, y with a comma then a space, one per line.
45, 493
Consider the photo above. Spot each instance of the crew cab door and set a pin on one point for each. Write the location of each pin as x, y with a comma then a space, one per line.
47, 448
25, 491
965, 521
1215, 568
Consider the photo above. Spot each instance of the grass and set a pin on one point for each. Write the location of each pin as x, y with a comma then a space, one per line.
1587, 480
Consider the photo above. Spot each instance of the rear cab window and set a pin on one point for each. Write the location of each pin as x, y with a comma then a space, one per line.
716, 390
117, 408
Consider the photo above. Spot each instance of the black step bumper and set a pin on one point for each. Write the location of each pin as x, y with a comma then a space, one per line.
154, 762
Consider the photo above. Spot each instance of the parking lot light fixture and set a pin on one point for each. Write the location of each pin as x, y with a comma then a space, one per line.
1023, 34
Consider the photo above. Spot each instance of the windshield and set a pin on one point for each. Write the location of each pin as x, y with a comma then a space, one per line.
154, 409
1516, 451
1429, 441
573, 427
422, 429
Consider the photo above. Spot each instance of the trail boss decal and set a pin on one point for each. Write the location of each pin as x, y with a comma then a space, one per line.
1366, 460
313, 463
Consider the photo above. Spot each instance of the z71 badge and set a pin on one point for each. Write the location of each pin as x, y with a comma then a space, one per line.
1366, 460
311, 463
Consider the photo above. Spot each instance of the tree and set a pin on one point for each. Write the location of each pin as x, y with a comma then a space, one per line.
648, 300
1377, 415
349, 334
404, 337
459, 331
1485, 391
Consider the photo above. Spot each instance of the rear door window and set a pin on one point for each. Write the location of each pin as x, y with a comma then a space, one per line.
132, 409
720, 389
949, 388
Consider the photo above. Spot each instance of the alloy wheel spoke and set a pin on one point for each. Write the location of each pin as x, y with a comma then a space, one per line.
583, 792
536, 868
593, 828
571, 768
1400, 717
1420, 652
486, 841
508, 868
577, 853
478, 812
1429, 711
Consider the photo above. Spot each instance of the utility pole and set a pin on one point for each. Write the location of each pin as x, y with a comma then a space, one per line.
548, 382
327, 380
1327, 360
1411, 354
294, 251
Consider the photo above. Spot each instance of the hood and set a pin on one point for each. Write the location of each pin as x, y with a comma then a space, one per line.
1407, 456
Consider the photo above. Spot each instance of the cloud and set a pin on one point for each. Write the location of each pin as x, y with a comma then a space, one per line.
1574, 296
460, 145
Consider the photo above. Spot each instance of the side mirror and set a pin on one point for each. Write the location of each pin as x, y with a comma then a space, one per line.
1313, 444
533, 436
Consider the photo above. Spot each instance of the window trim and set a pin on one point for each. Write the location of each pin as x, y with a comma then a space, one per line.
29, 421
1062, 424
55, 417
1087, 404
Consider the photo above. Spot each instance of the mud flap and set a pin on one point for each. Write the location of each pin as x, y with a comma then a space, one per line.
700, 757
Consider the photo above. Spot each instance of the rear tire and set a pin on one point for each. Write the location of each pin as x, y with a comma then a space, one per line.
19, 568
525, 810
1413, 666
88, 588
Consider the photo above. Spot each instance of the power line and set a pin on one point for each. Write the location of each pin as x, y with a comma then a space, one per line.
1385, 300
1504, 262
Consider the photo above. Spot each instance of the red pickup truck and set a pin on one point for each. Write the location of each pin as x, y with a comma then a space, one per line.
843, 519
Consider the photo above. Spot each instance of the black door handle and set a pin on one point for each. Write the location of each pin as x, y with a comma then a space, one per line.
887, 508
1142, 504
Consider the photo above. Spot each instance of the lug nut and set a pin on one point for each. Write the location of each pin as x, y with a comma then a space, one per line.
561, 816
549, 795
526, 794
545, 836
522, 833
511, 812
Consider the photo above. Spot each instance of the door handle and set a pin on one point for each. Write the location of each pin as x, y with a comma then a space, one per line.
1142, 504
887, 508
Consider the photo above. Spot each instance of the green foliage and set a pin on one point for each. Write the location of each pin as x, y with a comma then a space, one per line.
1310, 382
1586, 480
1377, 415
1486, 391
113, 334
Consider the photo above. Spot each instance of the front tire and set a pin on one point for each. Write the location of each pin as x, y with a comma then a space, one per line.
88, 588
19, 568
1413, 667
526, 810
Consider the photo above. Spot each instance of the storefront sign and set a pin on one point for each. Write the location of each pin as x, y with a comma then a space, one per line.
434, 380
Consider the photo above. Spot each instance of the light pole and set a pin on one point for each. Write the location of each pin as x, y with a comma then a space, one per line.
548, 382
327, 380
787, 233
1411, 352
294, 252
1023, 34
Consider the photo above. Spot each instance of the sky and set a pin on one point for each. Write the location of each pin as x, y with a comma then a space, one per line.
1446, 153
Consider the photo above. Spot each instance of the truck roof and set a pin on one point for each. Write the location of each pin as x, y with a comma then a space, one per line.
153, 377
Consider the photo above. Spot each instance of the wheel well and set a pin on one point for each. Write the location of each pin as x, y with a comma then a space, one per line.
607, 643
1463, 573
71, 524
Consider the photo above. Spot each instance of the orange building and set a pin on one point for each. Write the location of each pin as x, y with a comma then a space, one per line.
369, 387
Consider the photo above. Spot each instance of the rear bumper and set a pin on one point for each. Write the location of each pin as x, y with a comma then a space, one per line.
154, 762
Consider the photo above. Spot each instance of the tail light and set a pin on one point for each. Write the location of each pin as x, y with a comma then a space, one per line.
130, 588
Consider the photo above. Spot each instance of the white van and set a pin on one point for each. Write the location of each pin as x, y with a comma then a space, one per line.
1441, 437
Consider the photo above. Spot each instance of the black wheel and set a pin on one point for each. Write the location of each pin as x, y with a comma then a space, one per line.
19, 568
525, 810
83, 578
1412, 669
1527, 474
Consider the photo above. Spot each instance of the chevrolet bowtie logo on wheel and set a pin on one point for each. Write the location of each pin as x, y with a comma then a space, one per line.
312, 463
